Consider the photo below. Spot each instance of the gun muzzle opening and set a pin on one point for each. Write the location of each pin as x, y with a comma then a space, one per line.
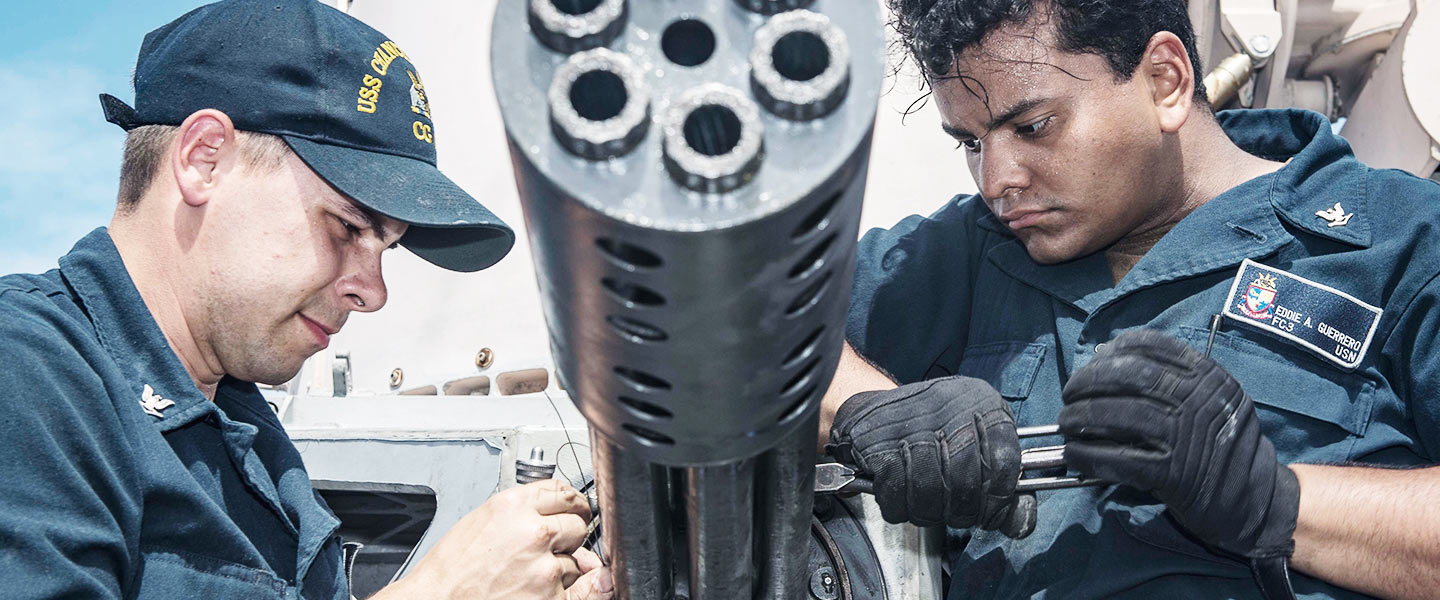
599, 105
688, 42
570, 26
800, 65
713, 139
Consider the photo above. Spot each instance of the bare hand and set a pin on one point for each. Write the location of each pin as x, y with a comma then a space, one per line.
522, 544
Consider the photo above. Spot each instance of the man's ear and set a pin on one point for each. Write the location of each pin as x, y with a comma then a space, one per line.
204, 150
1166, 66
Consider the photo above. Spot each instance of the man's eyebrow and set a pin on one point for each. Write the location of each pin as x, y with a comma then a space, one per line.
1005, 117
369, 217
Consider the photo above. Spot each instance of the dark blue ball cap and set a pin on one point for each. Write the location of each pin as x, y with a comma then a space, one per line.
345, 98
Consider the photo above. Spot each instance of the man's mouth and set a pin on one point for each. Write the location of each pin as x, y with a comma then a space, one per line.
1018, 219
321, 332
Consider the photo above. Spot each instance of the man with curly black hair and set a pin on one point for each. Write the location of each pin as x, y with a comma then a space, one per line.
1228, 315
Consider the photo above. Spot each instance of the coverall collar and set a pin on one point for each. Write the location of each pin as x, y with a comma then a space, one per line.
128, 331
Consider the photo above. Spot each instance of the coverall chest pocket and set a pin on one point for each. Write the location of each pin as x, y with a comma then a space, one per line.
1310, 411
172, 574
1010, 367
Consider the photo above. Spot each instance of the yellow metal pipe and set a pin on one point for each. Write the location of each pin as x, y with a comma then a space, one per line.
1227, 78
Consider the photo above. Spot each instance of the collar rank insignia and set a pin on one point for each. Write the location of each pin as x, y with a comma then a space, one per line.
152, 403
1336, 216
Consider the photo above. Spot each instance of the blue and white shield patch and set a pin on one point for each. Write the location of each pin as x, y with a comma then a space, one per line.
1327, 321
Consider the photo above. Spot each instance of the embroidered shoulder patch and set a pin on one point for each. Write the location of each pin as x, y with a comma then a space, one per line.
1333, 324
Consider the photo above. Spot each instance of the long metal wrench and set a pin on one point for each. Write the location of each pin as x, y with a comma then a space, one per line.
1047, 457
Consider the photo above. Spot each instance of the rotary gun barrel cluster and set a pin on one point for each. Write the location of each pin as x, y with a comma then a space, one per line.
691, 176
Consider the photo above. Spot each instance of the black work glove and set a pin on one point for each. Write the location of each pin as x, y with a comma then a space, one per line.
1152, 413
940, 452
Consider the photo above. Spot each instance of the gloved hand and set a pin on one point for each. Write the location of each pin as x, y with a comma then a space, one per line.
940, 452
1152, 413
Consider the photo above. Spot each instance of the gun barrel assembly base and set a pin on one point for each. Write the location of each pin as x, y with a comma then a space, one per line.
694, 248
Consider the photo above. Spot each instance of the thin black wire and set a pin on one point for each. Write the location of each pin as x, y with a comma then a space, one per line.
568, 442
572, 445
593, 531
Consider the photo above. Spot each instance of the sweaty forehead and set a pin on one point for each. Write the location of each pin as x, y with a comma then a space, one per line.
1011, 65
1012, 48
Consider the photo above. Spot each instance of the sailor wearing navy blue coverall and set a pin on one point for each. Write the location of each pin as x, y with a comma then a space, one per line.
1228, 315
258, 192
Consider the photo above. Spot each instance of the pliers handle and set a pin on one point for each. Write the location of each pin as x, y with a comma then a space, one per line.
834, 477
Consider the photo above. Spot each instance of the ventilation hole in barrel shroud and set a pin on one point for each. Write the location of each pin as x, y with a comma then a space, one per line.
813, 260
712, 130
818, 220
800, 380
810, 296
800, 56
598, 95
688, 42
803, 350
648, 409
798, 407
632, 295
640, 380
649, 437
575, 7
636, 330
628, 256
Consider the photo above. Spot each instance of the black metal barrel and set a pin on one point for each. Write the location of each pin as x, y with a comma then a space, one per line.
691, 175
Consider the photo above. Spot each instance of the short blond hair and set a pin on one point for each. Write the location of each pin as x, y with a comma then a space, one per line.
145, 147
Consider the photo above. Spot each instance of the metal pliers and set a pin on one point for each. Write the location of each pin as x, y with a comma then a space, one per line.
833, 477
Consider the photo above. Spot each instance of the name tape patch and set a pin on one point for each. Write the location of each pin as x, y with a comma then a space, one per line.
1333, 324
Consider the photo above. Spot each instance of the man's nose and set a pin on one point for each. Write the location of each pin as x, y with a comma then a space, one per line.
364, 286
1000, 173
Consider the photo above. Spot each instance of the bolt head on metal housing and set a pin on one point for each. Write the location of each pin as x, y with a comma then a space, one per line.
770, 7
776, 87
705, 172
534, 469
621, 129
569, 33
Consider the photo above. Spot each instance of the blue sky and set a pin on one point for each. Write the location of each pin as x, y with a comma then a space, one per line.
61, 159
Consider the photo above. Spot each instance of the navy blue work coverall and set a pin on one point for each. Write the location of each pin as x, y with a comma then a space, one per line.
118, 479
956, 293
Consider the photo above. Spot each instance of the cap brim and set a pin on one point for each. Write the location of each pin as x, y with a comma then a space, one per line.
448, 227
